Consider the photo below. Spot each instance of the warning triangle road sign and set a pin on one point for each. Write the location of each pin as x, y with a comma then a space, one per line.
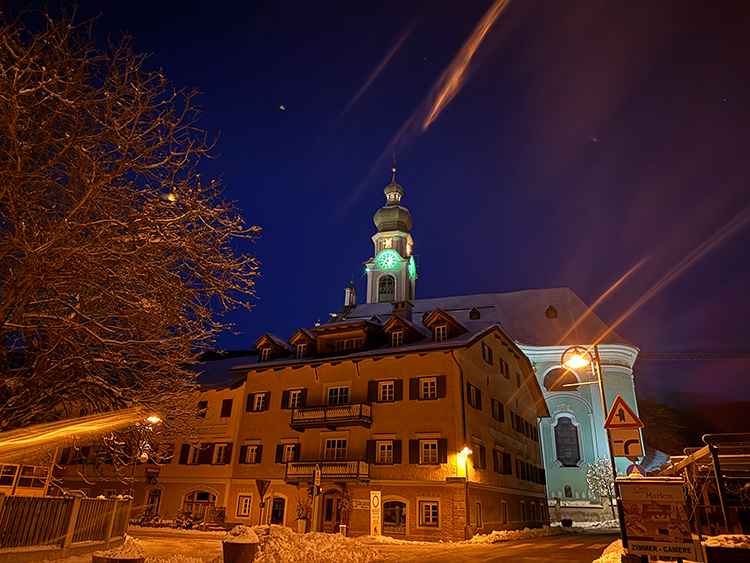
621, 416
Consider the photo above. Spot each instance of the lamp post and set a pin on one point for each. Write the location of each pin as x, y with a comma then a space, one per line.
141, 447
465, 453
577, 357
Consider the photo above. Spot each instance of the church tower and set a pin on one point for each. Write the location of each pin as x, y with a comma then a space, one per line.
392, 273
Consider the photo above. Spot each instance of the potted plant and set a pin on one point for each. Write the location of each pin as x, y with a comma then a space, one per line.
304, 511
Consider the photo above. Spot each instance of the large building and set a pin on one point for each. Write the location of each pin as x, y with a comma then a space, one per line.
391, 395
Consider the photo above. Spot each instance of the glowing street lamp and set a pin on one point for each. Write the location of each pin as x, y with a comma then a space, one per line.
142, 447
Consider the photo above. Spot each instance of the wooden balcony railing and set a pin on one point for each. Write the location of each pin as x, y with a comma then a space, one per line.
332, 416
341, 470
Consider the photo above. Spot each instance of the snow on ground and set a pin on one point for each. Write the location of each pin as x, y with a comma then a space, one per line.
281, 545
131, 548
509, 535
612, 553
728, 540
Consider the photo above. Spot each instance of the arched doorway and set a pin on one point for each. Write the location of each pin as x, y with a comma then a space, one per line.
278, 508
197, 502
394, 517
330, 511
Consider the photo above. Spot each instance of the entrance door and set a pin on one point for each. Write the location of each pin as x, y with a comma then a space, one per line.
331, 517
277, 511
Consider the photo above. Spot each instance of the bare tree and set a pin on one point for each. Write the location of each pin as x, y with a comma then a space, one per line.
117, 261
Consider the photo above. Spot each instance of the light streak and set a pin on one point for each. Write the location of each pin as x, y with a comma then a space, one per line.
27, 442
454, 76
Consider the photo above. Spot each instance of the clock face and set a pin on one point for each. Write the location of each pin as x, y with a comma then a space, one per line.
388, 259
412, 267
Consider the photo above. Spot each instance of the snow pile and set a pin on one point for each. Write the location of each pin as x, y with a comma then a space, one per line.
391, 541
612, 553
728, 540
606, 524
281, 545
241, 534
508, 535
174, 559
131, 548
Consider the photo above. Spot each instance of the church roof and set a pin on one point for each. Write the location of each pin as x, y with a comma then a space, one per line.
523, 315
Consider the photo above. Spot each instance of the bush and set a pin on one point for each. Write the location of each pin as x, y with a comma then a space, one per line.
185, 519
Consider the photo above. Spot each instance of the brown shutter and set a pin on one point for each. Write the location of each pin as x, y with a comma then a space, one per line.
370, 451
483, 457
496, 461
398, 390
372, 391
279, 452
184, 452
228, 456
413, 388
303, 398
443, 450
285, 400
267, 402
258, 454
249, 404
441, 386
479, 399
413, 451
469, 400
226, 408
507, 464
243, 454
206, 455
296, 452
396, 451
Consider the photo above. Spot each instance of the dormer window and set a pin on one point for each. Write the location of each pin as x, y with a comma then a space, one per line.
265, 354
348, 344
300, 351
397, 338
440, 333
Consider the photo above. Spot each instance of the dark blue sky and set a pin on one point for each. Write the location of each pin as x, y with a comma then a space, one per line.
588, 136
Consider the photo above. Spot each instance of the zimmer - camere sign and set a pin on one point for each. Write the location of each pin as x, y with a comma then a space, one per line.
656, 517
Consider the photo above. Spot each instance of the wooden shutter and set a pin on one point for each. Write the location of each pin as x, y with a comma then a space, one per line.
279, 452
226, 408
285, 400
398, 390
249, 404
479, 399
469, 399
496, 461
413, 451
206, 455
370, 451
303, 398
372, 391
296, 452
243, 454
483, 457
267, 402
443, 450
184, 452
413, 388
258, 454
228, 456
396, 451
441, 386
507, 464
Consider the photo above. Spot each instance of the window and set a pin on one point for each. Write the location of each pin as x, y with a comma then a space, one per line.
301, 351
252, 454
244, 503
259, 402
478, 514
384, 452
386, 289
428, 451
473, 396
226, 408
561, 380
428, 388
566, 442
504, 369
502, 462
478, 458
518, 380
335, 449
386, 391
503, 512
348, 344
486, 353
338, 395
441, 333
220, 454
568, 492
193, 455
394, 517
428, 513
397, 338
498, 411
196, 502
295, 399
288, 454
265, 354
278, 507
202, 408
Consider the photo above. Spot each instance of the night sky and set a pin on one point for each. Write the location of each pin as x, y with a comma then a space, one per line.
588, 138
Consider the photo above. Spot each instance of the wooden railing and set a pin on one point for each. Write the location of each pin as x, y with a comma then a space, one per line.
332, 415
329, 470
59, 523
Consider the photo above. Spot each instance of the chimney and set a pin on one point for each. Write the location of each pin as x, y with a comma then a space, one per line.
402, 309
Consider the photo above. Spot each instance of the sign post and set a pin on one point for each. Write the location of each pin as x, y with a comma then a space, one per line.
376, 527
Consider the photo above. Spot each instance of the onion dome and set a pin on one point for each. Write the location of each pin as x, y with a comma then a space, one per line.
393, 217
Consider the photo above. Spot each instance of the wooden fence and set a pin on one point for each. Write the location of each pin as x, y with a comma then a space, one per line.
28, 525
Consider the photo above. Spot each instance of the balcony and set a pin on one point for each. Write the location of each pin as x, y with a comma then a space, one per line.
332, 416
343, 470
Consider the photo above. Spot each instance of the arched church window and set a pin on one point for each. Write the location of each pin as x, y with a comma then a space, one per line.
557, 379
386, 289
566, 442
568, 492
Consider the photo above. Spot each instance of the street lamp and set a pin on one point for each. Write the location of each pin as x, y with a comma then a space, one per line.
141, 447
465, 453
577, 357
